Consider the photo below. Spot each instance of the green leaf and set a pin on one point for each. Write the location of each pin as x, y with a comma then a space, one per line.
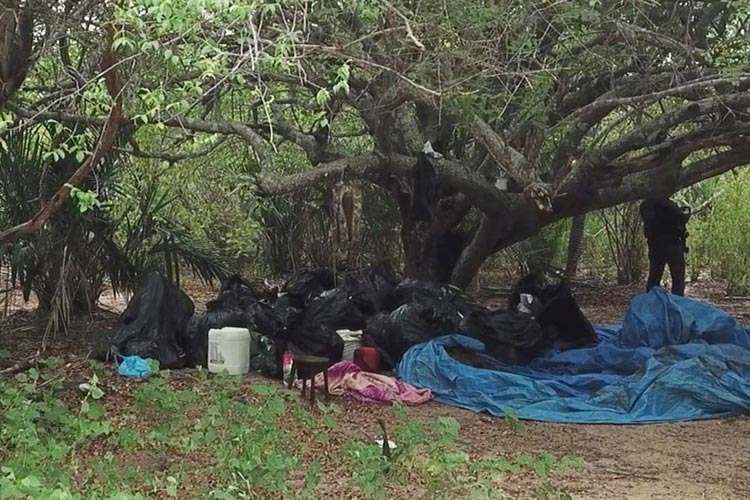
31, 482
313, 477
263, 390
329, 421
123, 42
95, 410
276, 405
96, 392
322, 97
341, 88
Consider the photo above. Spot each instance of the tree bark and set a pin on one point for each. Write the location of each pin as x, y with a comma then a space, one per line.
575, 244
420, 261
16, 42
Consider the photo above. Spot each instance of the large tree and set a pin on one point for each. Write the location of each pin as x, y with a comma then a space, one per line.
539, 110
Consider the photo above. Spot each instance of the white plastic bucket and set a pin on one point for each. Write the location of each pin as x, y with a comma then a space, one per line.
229, 350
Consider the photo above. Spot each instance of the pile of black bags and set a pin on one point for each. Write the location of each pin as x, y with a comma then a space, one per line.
306, 314
154, 325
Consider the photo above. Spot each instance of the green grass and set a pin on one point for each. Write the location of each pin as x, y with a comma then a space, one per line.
201, 436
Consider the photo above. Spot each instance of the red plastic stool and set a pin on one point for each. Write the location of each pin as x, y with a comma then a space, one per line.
367, 358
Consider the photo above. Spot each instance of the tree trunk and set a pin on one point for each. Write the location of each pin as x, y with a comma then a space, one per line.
420, 257
575, 245
16, 44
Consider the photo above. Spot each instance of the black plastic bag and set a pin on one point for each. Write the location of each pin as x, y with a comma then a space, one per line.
565, 326
475, 359
154, 325
316, 334
304, 286
411, 291
449, 303
533, 284
274, 321
371, 291
336, 309
509, 336
464, 304
236, 291
268, 361
317, 340
394, 333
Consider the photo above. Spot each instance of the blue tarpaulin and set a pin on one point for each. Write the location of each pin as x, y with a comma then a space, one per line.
672, 359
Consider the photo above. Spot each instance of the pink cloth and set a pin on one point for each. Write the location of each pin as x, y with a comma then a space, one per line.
346, 378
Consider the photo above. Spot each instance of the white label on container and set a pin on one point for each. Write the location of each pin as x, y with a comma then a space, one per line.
214, 356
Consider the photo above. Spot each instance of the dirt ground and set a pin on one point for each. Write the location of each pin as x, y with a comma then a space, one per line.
705, 460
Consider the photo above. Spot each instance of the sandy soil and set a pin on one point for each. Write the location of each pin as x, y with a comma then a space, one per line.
687, 461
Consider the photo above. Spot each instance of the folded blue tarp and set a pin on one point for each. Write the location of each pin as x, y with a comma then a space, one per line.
672, 359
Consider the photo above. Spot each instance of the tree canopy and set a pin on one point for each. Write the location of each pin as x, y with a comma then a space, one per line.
538, 110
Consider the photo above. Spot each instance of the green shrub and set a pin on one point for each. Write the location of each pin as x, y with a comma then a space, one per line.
719, 240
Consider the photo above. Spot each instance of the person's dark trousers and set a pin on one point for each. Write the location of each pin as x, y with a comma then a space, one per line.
667, 255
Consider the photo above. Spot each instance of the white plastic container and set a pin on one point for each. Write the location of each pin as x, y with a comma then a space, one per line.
229, 349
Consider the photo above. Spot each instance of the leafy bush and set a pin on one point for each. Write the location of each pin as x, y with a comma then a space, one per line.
719, 239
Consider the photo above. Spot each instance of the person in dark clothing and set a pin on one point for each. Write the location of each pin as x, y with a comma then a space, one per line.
664, 225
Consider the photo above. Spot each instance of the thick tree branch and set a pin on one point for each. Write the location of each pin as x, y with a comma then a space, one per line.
106, 140
377, 169
712, 166
16, 43
700, 29
655, 131
259, 144
513, 163
641, 185
660, 40
669, 153
682, 89
364, 167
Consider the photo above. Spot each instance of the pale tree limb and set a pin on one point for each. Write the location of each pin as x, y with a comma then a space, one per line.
660, 40
507, 158
654, 131
515, 164
106, 141
681, 89
20, 366
377, 169
407, 24
171, 157
246, 132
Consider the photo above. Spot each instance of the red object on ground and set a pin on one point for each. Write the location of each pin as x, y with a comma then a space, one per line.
367, 358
